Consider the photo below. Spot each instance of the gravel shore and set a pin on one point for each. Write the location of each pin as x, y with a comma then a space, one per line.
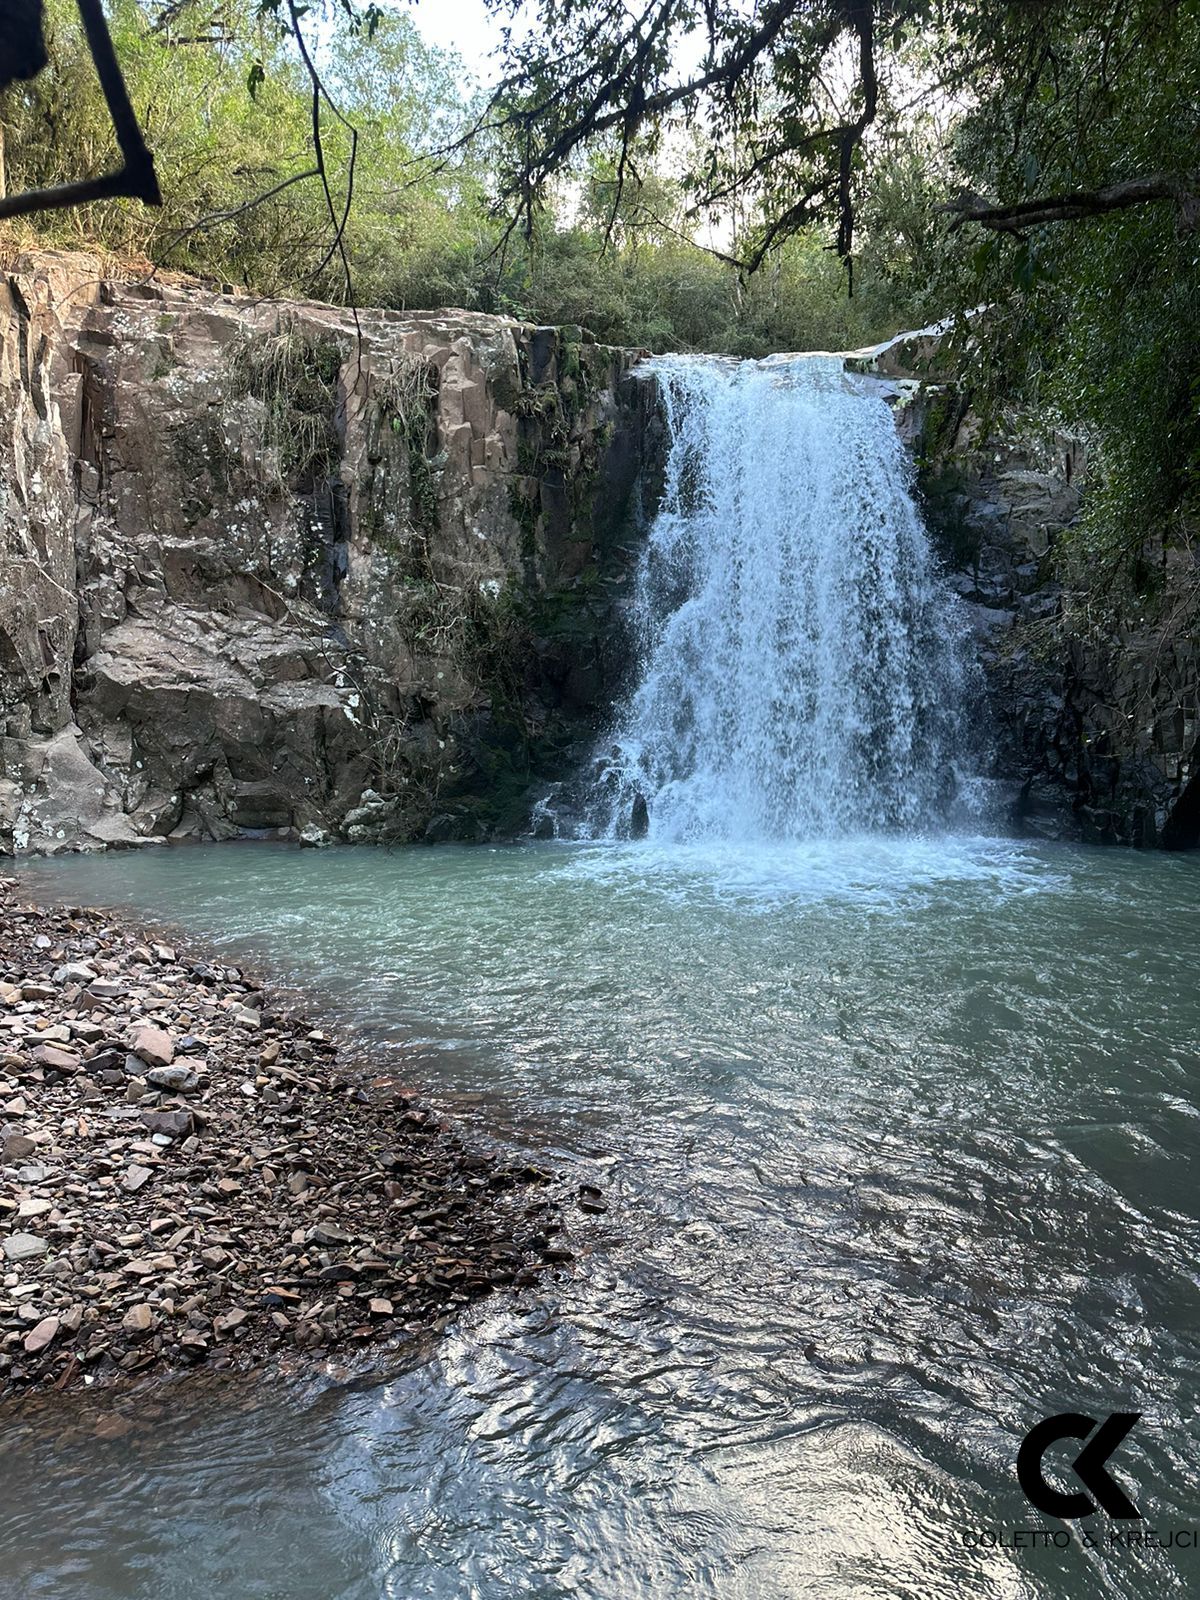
191, 1174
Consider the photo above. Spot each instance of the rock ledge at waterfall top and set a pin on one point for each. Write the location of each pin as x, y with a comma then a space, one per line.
192, 1175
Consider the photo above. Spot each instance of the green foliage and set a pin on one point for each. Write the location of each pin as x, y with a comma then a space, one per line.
227, 111
1093, 322
405, 395
293, 375
671, 295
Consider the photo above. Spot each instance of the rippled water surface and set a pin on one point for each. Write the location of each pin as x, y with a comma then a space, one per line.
899, 1142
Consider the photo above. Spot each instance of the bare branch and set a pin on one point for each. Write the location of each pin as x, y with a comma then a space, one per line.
216, 217
112, 186
319, 93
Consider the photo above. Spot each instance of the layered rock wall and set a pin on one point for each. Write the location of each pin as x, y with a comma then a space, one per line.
263, 568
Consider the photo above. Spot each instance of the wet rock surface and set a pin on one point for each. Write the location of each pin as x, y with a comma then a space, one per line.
193, 1175
1094, 705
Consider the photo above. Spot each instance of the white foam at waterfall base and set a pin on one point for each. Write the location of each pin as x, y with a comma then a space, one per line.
803, 671
890, 875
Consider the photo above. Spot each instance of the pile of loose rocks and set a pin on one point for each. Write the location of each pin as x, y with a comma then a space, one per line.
189, 1175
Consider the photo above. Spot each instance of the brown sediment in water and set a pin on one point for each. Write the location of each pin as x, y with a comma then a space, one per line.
193, 1175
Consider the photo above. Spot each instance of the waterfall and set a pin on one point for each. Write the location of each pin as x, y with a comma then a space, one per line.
802, 667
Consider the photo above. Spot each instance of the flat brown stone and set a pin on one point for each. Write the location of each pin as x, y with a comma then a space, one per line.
45, 1333
139, 1319
58, 1060
153, 1045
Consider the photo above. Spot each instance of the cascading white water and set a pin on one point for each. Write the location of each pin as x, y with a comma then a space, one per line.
803, 670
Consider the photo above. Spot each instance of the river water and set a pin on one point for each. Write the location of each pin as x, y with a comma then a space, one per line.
898, 1137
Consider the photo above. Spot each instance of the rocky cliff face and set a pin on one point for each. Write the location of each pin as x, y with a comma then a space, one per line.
1093, 694
261, 569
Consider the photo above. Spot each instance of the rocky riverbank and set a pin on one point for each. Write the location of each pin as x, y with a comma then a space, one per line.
191, 1173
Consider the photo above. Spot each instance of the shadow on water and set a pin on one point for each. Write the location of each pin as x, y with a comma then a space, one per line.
897, 1139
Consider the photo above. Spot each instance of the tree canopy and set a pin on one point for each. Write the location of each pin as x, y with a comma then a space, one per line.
775, 106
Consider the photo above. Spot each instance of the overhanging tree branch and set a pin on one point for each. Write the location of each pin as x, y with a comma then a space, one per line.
622, 85
1183, 191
